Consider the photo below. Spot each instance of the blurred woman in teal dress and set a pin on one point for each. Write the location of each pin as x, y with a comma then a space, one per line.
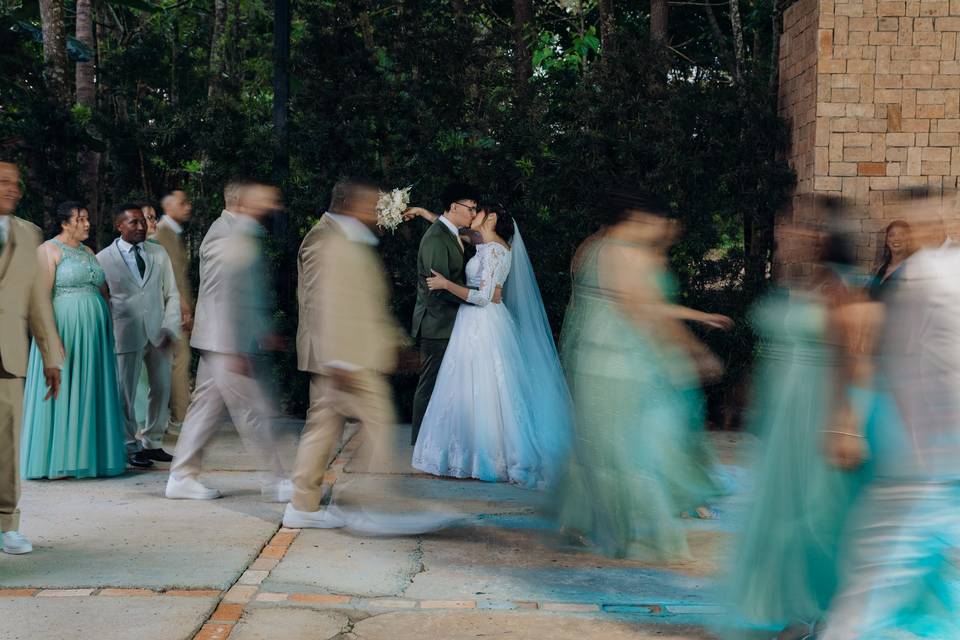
814, 334
80, 432
639, 460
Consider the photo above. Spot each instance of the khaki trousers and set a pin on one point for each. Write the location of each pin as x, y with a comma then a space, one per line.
371, 404
180, 380
11, 412
221, 389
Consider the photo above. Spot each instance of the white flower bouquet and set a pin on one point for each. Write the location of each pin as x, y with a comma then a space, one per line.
390, 208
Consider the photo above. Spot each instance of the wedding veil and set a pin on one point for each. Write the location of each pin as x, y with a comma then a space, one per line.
549, 397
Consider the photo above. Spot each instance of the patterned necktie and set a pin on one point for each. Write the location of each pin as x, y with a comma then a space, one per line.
141, 265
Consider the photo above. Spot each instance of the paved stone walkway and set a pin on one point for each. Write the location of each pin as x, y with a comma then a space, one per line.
114, 560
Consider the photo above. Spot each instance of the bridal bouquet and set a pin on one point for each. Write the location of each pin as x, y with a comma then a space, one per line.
390, 208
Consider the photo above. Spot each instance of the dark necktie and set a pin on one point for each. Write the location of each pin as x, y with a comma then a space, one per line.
141, 265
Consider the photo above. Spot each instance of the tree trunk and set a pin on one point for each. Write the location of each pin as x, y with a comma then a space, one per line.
523, 60
55, 51
217, 45
738, 49
659, 23
608, 28
88, 159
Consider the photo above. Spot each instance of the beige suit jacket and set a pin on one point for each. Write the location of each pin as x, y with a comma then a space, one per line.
177, 250
343, 297
24, 304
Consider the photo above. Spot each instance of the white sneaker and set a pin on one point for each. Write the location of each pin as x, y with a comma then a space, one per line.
15, 544
328, 518
189, 489
277, 490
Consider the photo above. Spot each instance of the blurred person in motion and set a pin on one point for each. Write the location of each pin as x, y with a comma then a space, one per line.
816, 325
233, 330
80, 433
900, 577
145, 307
24, 304
637, 459
897, 247
348, 341
177, 211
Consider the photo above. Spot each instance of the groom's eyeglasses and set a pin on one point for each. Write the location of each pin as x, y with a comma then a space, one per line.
472, 210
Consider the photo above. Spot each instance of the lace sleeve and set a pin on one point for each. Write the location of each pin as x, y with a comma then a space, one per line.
488, 279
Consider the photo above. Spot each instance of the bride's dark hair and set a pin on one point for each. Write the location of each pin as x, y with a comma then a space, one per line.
504, 227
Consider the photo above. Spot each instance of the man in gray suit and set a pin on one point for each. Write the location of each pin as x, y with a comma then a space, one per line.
145, 307
232, 327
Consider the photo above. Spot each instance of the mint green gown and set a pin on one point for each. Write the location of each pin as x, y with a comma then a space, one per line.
786, 567
80, 433
639, 457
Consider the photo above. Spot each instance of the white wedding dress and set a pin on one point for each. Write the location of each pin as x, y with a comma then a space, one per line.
480, 422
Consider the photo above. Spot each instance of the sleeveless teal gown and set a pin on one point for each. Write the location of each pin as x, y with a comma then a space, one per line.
639, 457
786, 563
80, 433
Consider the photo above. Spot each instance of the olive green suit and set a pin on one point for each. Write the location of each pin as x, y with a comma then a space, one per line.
435, 311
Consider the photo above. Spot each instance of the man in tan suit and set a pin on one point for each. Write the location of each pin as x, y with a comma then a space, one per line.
347, 341
177, 210
22, 304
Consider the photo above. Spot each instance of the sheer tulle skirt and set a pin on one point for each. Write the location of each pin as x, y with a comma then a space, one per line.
479, 423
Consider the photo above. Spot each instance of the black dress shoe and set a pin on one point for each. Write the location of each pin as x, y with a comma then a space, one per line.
157, 455
139, 460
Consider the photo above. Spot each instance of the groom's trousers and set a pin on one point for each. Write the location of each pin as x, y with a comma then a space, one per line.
370, 403
431, 357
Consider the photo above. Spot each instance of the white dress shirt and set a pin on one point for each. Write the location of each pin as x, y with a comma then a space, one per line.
175, 226
4, 230
355, 230
126, 250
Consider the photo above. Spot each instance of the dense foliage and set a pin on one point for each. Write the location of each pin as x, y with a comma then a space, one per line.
419, 92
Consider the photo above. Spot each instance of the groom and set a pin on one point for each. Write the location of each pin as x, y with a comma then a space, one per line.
441, 250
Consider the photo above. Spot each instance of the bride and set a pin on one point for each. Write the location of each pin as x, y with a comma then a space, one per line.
500, 410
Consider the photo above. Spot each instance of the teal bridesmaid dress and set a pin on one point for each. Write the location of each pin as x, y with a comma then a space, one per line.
80, 433
639, 459
786, 566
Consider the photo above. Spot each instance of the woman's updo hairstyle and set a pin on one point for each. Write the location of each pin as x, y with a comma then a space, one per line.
505, 226
619, 203
62, 215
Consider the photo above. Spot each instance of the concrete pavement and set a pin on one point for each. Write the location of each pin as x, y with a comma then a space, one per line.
114, 559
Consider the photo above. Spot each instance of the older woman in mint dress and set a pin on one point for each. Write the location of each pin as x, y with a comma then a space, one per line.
80, 432
639, 460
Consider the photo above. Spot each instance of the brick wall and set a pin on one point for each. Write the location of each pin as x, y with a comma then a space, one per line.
885, 111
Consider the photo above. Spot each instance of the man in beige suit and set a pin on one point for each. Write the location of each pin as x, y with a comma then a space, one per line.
177, 210
22, 304
348, 342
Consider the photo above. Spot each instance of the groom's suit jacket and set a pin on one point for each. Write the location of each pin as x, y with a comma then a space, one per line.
141, 312
343, 297
23, 303
436, 311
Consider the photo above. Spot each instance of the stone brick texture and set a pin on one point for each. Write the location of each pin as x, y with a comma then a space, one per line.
870, 90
